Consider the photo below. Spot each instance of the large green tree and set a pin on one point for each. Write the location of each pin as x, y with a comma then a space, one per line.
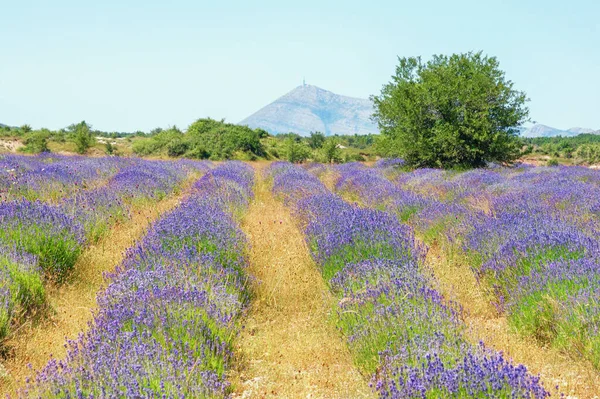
453, 111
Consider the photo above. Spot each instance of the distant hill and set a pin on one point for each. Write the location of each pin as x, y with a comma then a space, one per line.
309, 109
540, 130
581, 130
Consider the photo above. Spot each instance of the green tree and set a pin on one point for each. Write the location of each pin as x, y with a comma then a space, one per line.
316, 140
82, 136
109, 148
26, 129
296, 151
331, 151
457, 110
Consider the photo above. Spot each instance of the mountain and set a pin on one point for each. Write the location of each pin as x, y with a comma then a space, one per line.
310, 109
540, 130
580, 130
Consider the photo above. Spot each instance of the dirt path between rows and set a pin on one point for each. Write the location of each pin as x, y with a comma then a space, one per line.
72, 305
575, 378
289, 347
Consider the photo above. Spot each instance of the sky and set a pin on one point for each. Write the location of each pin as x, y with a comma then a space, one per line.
136, 65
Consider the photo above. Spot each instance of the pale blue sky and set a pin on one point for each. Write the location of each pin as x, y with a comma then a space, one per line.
128, 65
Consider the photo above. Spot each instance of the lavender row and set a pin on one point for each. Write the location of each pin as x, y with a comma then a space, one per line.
399, 328
165, 323
531, 237
41, 241
52, 177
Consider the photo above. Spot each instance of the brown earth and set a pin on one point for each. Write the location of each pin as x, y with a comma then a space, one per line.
289, 347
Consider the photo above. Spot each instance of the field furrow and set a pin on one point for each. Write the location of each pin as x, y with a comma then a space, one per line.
289, 347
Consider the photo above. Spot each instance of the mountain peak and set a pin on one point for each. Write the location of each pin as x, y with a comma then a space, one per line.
580, 130
540, 130
309, 108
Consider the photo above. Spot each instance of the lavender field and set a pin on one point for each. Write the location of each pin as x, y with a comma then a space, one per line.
404, 271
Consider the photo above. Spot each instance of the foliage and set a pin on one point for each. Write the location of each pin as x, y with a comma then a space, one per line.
583, 148
220, 140
331, 152
316, 140
82, 136
109, 148
177, 148
296, 151
36, 143
158, 142
205, 138
452, 111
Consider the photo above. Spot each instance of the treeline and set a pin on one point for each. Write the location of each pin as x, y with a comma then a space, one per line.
204, 139
583, 148
320, 148
80, 135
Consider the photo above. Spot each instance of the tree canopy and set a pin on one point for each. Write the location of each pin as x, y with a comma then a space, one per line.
452, 111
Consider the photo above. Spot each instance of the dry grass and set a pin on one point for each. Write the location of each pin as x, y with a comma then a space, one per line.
330, 178
10, 145
289, 347
576, 378
71, 306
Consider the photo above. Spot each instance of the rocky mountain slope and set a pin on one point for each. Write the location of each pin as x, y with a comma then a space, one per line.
309, 109
540, 130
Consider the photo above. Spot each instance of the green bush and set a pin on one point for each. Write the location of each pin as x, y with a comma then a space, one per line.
83, 137
36, 143
177, 148
296, 151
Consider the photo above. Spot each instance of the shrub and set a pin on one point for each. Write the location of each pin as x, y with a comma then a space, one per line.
177, 148
36, 143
